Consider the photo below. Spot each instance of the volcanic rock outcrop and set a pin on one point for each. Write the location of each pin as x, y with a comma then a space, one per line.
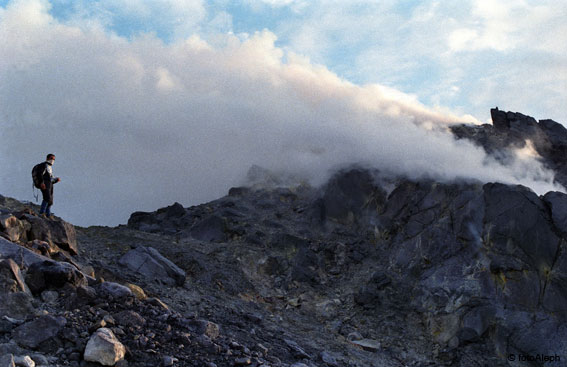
513, 130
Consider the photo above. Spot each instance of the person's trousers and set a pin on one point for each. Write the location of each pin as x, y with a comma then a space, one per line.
47, 200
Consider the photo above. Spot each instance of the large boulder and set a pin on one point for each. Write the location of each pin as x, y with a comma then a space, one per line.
33, 333
166, 220
153, 265
114, 290
103, 347
21, 255
56, 232
175, 210
53, 274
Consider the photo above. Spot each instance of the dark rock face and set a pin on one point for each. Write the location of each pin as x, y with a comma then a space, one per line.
212, 229
370, 293
557, 202
347, 195
519, 224
478, 263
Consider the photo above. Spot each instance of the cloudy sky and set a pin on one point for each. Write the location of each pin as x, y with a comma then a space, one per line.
150, 102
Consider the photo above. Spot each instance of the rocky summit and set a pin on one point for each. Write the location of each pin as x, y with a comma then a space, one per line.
368, 270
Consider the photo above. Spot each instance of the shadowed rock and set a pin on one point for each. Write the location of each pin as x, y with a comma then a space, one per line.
11, 278
153, 265
56, 232
47, 274
350, 193
33, 333
213, 229
16, 305
21, 255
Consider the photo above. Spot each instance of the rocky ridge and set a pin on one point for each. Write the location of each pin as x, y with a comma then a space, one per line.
513, 130
369, 270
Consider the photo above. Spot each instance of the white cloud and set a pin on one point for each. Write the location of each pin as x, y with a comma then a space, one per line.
428, 49
138, 124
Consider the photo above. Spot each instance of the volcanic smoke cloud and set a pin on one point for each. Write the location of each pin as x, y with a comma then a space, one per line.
138, 124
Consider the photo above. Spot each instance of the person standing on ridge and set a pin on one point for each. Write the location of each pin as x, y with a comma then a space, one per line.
44, 180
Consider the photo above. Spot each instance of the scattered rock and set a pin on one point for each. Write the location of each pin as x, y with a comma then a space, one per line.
137, 291
115, 290
40, 359
262, 349
355, 335
296, 350
242, 361
104, 348
204, 327
169, 361
367, 344
24, 361
329, 359
130, 318
157, 302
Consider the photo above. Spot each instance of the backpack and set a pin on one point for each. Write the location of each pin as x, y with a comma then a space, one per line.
37, 174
